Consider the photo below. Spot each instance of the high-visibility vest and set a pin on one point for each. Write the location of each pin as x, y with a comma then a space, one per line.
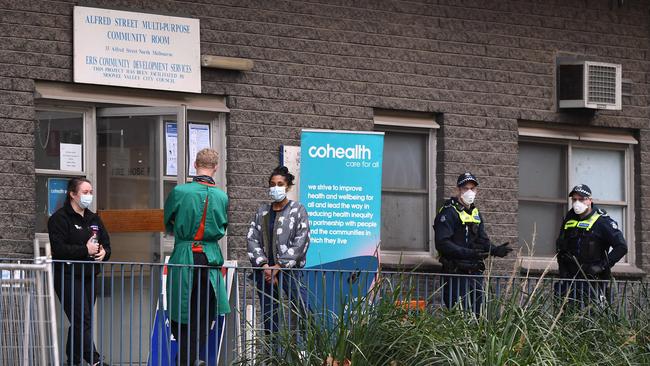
466, 218
469, 218
579, 241
582, 224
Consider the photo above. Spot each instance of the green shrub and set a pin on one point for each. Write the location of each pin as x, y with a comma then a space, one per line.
521, 326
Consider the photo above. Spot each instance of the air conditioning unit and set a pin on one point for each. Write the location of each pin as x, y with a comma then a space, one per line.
591, 85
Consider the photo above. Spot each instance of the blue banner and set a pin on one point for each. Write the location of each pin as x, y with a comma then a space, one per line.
56, 191
340, 185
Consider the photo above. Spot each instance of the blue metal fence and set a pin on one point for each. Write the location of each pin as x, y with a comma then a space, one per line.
128, 320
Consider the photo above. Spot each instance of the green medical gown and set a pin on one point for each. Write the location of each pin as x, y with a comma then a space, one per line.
183, 213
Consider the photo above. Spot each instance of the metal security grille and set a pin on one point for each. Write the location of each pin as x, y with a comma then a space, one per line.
27, 322
602, 84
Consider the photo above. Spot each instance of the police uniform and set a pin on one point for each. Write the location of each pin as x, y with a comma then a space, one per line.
462, 243
584, 244
461, 240
583, 253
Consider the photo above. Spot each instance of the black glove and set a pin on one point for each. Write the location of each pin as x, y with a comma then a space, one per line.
502, 250
565, 257
593, 269
480, 253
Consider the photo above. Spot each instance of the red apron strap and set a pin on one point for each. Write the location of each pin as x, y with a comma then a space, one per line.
196, 247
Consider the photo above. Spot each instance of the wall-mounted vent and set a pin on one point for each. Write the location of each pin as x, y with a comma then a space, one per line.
587, 84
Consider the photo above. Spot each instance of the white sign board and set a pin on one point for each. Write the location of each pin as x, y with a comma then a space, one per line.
138, 50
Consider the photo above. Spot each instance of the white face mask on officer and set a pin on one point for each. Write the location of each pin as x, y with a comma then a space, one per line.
579, 207
469, 196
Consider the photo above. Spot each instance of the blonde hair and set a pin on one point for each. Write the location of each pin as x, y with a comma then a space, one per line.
207, 158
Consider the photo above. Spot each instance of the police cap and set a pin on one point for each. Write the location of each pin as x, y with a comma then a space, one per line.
466, 177
581, 189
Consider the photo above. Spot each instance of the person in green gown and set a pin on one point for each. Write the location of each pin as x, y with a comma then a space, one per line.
197, 214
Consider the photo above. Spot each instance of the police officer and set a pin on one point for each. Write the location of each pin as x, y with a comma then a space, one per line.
463, 244
586, 236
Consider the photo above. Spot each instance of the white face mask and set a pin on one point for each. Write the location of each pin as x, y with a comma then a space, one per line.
277, 193
85, 200
579, 207
468, 197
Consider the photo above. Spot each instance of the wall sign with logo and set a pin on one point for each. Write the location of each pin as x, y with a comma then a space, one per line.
138, 50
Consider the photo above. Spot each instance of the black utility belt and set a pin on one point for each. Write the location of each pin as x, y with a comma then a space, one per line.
462, 266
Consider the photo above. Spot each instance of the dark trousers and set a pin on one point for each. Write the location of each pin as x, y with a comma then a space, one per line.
77, 295
191, 338
289, 291
465, 289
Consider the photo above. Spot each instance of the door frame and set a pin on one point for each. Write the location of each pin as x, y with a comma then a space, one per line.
215, 120
86, 98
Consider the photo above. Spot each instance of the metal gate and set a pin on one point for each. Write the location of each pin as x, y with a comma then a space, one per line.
27, 314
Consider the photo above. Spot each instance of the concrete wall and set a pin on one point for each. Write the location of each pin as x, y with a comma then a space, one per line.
482, 66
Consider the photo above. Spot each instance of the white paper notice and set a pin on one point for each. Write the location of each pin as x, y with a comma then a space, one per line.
199, 138
291, 159
71, 157
171, 144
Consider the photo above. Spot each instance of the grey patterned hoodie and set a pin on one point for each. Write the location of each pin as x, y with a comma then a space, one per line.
290, 240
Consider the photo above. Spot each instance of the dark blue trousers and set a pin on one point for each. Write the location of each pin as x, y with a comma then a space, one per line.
468, 290
288, 297
583, 292
77, 295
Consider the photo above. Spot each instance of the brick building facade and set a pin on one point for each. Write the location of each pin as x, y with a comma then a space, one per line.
483, 73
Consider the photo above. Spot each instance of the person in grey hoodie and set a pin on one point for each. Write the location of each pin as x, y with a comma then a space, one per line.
278, 240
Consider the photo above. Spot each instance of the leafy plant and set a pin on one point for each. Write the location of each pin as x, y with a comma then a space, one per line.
522, 322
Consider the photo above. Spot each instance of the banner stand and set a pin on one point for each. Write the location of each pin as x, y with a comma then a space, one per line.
340, 186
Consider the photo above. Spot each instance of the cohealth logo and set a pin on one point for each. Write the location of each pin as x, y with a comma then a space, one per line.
358, 152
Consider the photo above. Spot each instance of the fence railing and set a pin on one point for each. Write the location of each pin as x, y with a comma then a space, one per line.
27, 324
132, 313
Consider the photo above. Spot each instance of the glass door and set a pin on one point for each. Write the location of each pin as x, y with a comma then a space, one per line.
131, 169
133, 156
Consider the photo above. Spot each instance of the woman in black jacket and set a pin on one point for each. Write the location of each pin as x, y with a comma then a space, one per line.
78, 234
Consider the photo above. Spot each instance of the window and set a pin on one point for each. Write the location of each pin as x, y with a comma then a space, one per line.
553, 162
60, 154
408, 198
